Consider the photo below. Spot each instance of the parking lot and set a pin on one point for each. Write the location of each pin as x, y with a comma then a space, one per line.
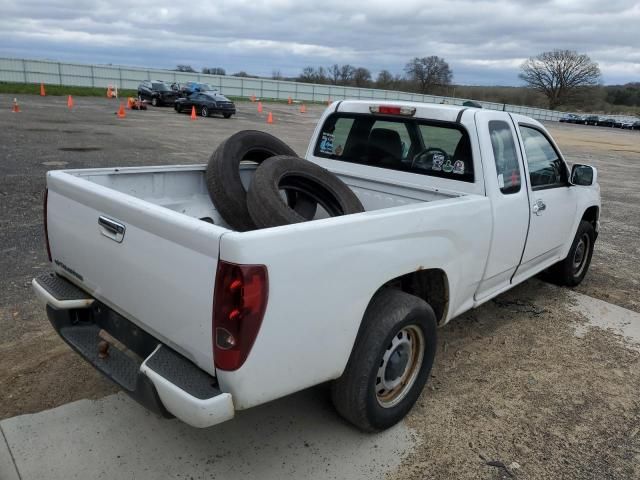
540, 383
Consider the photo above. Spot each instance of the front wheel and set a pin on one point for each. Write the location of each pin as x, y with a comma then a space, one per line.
204, 112
154, 101
572, 270
226, 115
390, 362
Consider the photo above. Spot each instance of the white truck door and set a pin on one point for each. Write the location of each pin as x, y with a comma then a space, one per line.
552, 201
503, 170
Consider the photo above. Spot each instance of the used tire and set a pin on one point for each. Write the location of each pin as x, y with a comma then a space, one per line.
572, 270
303, 178
223, 175
390, 362
204, 112
154, 101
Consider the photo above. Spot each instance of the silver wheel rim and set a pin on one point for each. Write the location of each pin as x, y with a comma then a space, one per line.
392, 384
581, 254
204, 111
154, 101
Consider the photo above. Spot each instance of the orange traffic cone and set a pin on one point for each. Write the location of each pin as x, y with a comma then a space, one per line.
42, 92
253, 98
121, 112
259, 107
15, 108
193, 113
69, 102
289, 101
270, 118
303, 109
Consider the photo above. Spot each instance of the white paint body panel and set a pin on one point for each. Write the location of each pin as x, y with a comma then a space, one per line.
322, 274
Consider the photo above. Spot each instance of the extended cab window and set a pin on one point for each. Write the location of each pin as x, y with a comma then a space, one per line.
546, 168
505, 156
438, 149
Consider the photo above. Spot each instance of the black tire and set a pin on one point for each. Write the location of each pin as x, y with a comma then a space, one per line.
223, 175
226, 115
204, 112
177, 107
572, 270
306, 179
155, 101
356, 394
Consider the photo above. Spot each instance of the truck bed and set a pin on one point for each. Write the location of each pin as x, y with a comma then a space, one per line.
183, 189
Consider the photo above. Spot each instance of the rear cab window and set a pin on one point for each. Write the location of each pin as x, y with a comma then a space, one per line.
433, 148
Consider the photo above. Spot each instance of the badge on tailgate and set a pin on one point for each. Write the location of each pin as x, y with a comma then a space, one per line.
111, 228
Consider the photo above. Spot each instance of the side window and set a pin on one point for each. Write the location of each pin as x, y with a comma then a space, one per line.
546, 168
506, 158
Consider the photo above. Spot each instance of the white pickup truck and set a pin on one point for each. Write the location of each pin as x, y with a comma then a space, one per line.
197, 321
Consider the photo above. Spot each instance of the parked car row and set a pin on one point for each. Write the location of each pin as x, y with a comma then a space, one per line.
598, 121
183, 97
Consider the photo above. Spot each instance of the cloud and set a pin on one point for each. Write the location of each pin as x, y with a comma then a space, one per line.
483, 41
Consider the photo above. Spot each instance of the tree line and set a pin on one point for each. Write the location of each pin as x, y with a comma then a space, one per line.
554, 79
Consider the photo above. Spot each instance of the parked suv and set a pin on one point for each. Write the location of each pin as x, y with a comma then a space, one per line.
591, 120
157, 92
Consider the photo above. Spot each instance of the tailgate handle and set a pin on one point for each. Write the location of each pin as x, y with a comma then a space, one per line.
111, 229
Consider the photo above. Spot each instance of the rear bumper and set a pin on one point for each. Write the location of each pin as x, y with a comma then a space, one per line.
151, 373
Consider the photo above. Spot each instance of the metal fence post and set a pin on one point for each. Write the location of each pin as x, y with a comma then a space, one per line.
24, 70
93, 77
59, 74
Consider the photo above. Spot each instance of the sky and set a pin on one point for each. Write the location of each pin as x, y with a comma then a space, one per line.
484, 42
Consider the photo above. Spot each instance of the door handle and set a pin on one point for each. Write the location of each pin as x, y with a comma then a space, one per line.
111, 229
539, 207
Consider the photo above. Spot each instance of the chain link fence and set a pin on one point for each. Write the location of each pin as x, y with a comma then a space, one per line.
82, 75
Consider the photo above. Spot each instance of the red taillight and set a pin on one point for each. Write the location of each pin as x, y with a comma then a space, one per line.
46, 230
393, 110
239, 302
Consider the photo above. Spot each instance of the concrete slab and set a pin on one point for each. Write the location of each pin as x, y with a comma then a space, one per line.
7, 467
296, 437
606, 316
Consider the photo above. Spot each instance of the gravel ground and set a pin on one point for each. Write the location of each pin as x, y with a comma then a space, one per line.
513, 384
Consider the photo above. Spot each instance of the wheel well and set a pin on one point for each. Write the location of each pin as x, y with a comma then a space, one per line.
591, 215
428, 284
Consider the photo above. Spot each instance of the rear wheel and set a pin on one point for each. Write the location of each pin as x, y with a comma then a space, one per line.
226, 115
390, 362
572, 270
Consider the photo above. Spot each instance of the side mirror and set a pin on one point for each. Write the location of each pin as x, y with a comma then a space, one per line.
583, 175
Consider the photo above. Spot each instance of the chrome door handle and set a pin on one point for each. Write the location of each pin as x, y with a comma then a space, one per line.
538, 207
111, 229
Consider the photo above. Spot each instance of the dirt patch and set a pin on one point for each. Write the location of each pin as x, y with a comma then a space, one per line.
515, 393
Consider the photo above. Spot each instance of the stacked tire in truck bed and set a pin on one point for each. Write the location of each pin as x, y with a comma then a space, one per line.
284, 189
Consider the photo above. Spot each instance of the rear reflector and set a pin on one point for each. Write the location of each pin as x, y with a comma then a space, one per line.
239, 303
393, 110
46, 230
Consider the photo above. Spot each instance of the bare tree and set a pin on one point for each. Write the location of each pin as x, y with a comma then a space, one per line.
560, 74
313, 75
185, 68
346, 74
361, 77
427, 72
214, 71
276, 74
334, 73
385, 80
